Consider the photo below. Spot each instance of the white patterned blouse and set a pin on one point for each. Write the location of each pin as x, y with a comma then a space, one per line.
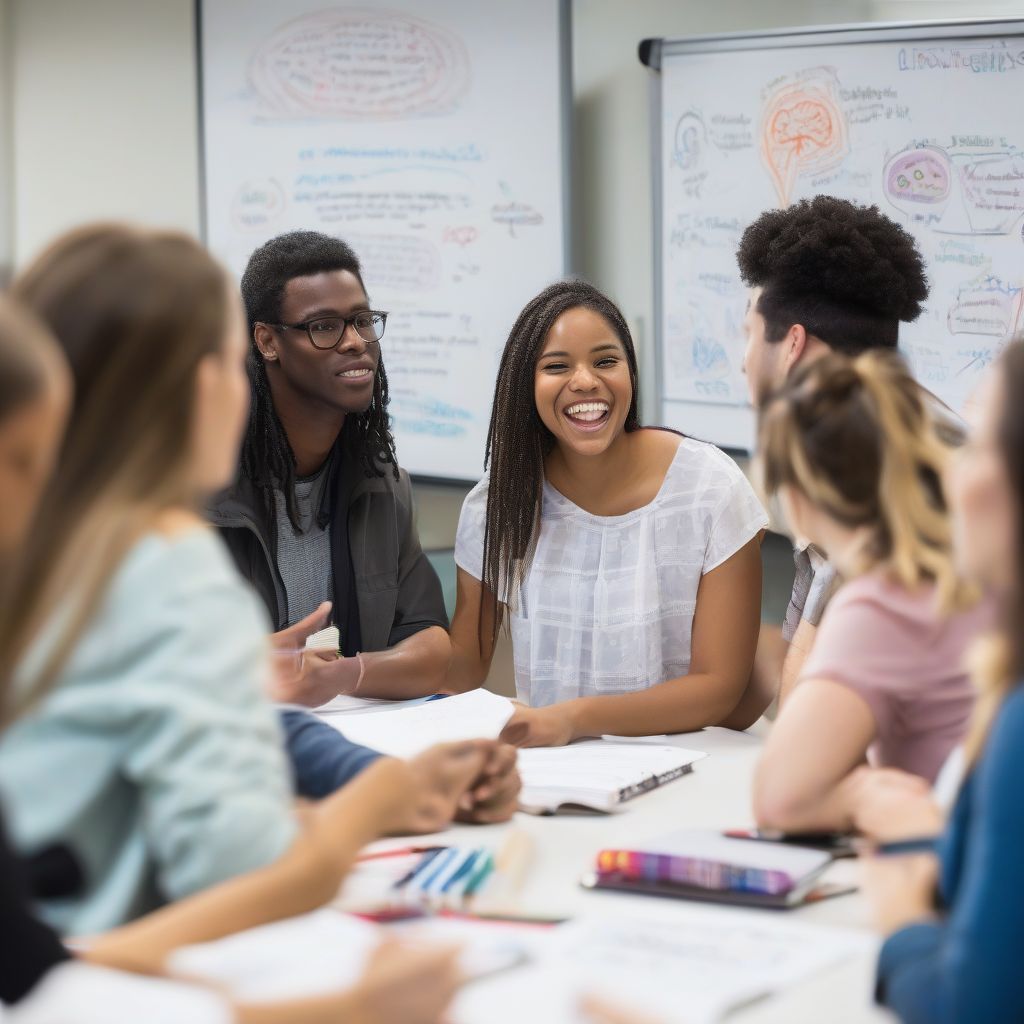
608, 601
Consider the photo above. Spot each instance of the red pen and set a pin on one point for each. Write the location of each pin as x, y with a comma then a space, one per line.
403, 851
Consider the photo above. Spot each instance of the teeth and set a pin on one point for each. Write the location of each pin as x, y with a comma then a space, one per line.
588, 412
355, 373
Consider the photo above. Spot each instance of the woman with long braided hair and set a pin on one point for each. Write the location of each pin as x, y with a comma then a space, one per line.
626, 560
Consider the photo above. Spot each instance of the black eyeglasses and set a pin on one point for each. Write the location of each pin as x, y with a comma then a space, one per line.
325, 332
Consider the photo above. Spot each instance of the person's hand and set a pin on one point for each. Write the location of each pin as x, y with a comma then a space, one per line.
405, 984
294, 637
433, 785
899, 888
318, 676
539, 727
598, 1011
310, 678
494, 793
887, 804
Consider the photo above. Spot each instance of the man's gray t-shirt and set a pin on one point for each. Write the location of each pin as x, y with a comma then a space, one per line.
813, 583
304, 555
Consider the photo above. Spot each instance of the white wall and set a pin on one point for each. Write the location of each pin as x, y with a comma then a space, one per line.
104, 115
6, 184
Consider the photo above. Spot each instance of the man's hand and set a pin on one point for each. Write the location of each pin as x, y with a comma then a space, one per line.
315, 678
310, 678
494, 794
294, 637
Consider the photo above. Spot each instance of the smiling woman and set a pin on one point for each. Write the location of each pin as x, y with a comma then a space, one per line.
625, 559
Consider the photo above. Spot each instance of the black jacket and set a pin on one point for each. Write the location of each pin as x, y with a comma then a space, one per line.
397, 589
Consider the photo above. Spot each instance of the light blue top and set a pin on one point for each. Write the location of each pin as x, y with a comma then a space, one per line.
156, 758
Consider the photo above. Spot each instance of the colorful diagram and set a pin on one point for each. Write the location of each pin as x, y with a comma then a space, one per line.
917, 178
355, 64
803, 130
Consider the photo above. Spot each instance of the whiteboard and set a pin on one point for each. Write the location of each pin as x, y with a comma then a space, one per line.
429, 134
923, 121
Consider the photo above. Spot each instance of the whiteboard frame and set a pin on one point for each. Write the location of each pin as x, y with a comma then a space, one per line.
738, 422
566, 119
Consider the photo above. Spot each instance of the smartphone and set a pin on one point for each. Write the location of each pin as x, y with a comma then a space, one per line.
839, 844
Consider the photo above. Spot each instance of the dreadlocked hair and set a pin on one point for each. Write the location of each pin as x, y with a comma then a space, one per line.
518, 441
267, 458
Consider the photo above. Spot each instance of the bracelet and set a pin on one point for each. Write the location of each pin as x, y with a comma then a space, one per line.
362, 672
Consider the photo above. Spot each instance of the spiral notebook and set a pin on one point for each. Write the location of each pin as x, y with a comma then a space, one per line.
597, 775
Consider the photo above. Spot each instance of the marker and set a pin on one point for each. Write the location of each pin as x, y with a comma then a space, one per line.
424, 862
461, 872
433, 888
424, 880
484, 866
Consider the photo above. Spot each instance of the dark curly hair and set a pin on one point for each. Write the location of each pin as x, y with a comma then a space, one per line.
267, 457
517, 442
847, 273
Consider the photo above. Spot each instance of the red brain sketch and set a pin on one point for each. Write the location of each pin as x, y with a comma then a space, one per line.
805, 126
802, 132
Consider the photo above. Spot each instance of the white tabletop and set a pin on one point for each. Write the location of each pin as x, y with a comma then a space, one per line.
716, 795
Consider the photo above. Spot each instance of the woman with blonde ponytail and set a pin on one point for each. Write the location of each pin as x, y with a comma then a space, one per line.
963, 964
849, 448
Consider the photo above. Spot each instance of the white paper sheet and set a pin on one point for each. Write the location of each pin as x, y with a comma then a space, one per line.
326, 951
408, 731
691, 968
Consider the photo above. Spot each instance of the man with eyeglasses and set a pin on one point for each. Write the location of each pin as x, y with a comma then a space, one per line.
320, 518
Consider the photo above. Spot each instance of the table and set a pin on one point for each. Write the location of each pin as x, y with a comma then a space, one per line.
716, 795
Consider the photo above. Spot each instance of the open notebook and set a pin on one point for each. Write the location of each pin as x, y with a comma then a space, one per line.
597, 774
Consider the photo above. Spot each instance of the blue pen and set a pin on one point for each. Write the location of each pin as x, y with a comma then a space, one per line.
425, 879
463, 870
423, 863
439, 882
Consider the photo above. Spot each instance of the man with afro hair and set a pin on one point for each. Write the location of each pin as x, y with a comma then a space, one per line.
823, 275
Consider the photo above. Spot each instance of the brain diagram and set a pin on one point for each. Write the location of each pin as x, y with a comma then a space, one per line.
803, 133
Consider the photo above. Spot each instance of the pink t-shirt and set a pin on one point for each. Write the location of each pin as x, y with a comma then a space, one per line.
891, 646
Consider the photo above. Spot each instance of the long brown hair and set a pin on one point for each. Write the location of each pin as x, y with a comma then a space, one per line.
518, 441
28, 357
135, 311
999, 661
856, 438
